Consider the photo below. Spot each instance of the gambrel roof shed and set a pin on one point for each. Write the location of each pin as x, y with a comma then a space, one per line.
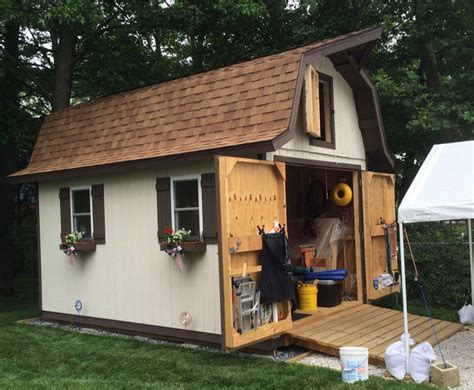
250, 104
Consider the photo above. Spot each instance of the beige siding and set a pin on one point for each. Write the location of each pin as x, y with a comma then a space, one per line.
349, 143
128, 278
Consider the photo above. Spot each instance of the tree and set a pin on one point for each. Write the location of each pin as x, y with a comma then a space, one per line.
9, 108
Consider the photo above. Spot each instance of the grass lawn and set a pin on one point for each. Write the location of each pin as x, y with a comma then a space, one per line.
37, 357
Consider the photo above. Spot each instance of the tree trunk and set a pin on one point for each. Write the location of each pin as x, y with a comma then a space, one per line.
430, 65
64, 51
9, 108
424, 32
7, 207
157, 38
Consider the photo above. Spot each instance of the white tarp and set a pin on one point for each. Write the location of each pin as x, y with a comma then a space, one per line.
443, 189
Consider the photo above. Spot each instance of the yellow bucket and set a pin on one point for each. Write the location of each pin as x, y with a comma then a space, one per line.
308, 294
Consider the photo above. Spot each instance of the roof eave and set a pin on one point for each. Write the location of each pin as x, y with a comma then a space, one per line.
133, 165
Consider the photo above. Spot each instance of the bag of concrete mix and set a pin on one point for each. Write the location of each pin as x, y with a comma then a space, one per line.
466, 315
421, 358
395, 358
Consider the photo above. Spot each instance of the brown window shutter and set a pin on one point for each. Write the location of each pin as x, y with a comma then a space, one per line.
65, 211
163, 198
98, 213
209, 211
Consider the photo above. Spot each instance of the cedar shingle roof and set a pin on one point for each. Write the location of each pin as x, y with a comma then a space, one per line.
245, 103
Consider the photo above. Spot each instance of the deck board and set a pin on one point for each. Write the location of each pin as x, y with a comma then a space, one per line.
363, 325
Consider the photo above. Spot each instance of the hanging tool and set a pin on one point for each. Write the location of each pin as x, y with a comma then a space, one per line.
389, 248
390, 277
326, 182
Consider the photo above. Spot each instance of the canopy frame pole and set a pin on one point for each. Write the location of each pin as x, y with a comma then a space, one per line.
469, 227
404, 296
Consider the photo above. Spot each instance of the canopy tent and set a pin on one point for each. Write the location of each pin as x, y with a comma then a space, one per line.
443, 190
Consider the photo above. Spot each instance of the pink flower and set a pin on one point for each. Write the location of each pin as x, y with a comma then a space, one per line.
168, 231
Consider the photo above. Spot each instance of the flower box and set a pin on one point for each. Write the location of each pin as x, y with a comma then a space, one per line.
188, 247
81, 246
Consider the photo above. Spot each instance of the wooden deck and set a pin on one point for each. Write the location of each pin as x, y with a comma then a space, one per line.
365, 326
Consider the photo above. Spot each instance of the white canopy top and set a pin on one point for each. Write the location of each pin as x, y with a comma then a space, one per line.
443, 188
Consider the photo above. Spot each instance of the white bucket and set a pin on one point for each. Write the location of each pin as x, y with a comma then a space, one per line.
354, 364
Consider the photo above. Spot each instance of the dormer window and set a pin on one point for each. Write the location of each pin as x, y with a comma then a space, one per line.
319, 108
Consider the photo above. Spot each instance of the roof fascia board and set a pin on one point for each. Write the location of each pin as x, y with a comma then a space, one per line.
363, 85
349, 42
131, 166
378, 114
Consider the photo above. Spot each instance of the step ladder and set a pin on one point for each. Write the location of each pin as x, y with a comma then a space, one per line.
246, 304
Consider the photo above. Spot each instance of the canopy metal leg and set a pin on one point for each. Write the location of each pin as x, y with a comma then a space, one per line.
469, 227
404, 295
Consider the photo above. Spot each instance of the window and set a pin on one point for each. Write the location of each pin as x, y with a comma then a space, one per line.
81, 211
186, 205
325, 108
319, 108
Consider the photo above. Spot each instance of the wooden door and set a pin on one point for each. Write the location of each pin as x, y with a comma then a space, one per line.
378, 207
250, 193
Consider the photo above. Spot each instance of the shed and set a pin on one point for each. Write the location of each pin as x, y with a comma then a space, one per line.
219, 153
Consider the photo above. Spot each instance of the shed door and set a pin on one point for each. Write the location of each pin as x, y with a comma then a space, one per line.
378, 197
250, 193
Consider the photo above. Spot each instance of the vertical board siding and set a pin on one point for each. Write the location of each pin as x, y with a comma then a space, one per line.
128, 278
349, 143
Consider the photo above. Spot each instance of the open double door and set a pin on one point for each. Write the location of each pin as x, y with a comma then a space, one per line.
252, 193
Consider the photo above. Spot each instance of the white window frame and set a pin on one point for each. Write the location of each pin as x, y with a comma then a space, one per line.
72, 189
173, 210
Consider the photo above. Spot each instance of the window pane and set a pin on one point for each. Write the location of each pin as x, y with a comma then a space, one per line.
188, 220
82, 223
81, 201
186, 193
322, 109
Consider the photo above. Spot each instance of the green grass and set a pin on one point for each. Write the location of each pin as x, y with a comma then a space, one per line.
416, 307
41, 357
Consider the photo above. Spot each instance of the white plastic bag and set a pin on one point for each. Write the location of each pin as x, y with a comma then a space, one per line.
466, 315
421, 358
395, 358
330, 232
